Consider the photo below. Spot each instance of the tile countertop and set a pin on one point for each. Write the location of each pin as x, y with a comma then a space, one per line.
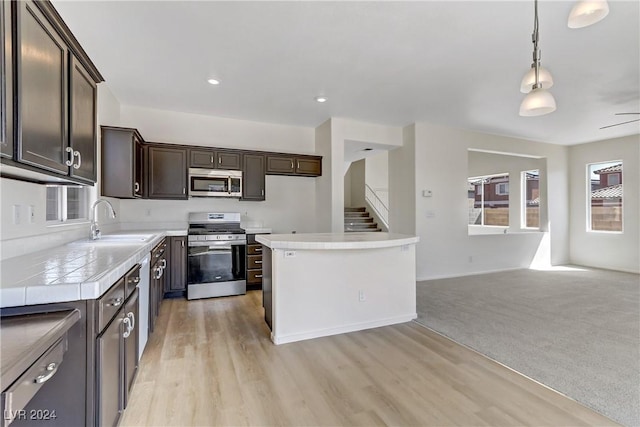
76, 271
322, 241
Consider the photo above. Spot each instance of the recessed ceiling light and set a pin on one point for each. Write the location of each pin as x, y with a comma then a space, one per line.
213, 81
321, 98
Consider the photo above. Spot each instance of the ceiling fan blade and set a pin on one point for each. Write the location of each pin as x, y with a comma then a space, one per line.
624, 114
618, 124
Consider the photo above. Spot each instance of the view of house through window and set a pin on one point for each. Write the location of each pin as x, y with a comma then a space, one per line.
66, 203
531, 198
604, 203
488, 199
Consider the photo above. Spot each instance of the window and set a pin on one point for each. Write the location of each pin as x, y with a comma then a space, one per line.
531, 199
66, 203
490, 204
604, 201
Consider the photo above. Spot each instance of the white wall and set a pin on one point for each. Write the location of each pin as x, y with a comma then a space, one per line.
347, 188
616, 251
402, 185
357, 183
26, 237
290, 201
440, 159
377, 171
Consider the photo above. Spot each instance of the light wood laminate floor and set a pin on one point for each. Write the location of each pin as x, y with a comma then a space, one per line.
210, 362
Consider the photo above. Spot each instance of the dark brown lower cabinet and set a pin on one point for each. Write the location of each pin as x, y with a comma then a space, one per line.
130, 340
177, 278
109, 373
254, 263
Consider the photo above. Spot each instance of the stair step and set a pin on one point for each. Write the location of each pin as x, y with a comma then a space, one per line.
362, 225
358, 220
356, 214
355, 209
362, 230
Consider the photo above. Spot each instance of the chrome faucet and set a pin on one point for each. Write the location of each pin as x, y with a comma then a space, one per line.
95, 231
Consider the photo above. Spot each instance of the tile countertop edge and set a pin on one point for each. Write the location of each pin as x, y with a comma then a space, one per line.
92, 288
335, 241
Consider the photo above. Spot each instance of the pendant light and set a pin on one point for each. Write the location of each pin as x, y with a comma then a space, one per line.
587, 12
538, 101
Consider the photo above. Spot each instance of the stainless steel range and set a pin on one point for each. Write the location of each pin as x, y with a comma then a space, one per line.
217, 246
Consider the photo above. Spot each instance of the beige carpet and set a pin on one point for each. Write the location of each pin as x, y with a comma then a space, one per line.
576, 331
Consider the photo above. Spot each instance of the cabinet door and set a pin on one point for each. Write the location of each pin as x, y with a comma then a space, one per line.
153, 297
138, 166
42, 92
130, 344
167, 173
228, 160
253, 174
201, 158
82, 97
308, 166
178, 269
6, 81
280, 165
109, 373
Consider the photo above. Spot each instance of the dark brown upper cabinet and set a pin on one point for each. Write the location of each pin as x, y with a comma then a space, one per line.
55, 99
166, 172
6, 81
215, 159
42, 92
122, 163
278, 164
83, 96
253, 174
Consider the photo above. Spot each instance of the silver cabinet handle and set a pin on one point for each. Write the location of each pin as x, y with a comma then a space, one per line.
298, 164
158, 273
212, 159
117, 302
291, 164
135, 280
182, 241
52, 368
164, 263
184, 191
77, 165
259, 249
69, 162
136, 187
132, 316
262, 191
259, 276
219, 160
127, 322
258, 261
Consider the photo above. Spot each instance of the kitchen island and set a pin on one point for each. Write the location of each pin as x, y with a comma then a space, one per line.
322, 284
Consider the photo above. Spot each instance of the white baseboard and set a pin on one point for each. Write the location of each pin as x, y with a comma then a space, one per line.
283, 339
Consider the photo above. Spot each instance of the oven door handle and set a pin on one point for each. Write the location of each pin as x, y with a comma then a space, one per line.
215, 244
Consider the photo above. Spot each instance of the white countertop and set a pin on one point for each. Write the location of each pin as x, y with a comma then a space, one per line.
76, 271
322, 241
256, 230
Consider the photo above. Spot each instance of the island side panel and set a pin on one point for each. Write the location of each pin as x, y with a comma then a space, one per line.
266, 285
325, 292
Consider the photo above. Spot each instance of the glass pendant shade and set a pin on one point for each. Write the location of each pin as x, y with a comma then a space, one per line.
585, 13
529, 79
537, 103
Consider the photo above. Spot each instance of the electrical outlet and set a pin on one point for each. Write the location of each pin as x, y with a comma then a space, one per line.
361, 296
31, 214
289, 254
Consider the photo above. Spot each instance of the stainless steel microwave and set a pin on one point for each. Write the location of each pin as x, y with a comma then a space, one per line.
214, 183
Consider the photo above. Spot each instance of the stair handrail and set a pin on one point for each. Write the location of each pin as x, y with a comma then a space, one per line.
377, 204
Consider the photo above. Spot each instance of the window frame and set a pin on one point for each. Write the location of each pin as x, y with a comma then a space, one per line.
523, 200
588, 206
483, 178
62, 207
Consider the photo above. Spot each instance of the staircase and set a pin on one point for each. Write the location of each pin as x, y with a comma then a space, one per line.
358, 219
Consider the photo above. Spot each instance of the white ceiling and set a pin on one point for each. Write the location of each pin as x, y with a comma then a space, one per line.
447, 62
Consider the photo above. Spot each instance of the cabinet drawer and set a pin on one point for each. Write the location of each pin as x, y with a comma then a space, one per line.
110, 303
254, 277
254, 262
131, 280
24, 388
254, 249
158, 251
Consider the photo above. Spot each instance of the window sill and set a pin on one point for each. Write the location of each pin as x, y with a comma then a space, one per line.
56, 224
